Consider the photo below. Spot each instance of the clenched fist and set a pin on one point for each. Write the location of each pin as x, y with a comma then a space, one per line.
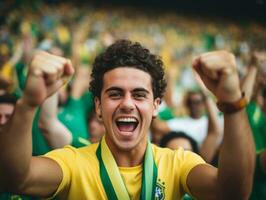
218, 71
47, 73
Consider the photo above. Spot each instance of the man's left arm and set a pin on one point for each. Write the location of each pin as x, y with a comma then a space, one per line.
233, 179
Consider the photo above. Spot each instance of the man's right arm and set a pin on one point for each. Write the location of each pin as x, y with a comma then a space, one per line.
19, 171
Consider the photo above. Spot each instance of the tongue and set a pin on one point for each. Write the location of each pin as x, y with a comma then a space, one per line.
126, 127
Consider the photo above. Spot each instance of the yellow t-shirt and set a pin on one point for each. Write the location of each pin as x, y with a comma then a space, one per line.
81, 178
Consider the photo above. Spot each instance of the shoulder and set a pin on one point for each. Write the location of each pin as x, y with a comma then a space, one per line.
70, 153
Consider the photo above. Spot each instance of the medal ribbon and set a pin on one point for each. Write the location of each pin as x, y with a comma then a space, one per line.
112, 180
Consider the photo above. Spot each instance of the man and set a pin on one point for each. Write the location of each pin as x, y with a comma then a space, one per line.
195, 124
128, 84
174, 140
95, 127
7, 106
253, 84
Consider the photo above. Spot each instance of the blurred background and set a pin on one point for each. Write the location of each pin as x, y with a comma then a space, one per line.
176, 30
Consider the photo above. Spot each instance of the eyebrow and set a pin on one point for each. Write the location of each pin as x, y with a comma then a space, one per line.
140, 89
113, 88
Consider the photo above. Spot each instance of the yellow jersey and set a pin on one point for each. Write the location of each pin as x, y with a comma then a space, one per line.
81, 175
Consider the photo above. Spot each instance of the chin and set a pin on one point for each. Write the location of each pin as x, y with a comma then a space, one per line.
126, 145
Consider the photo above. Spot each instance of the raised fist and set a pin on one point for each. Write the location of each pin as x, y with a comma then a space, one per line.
47, 73
258, 59
218, 71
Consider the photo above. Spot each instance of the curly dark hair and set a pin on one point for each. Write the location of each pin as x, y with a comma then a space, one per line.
179, 134
124, 53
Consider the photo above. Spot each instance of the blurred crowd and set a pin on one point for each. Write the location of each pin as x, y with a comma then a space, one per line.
188, 115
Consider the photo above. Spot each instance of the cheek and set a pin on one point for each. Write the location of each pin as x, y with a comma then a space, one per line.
109, 108
146, 109
107, 111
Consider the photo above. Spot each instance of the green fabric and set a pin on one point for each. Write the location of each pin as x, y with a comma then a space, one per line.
257, 122
166, 114
39, 144
8, 196
149, 178
74, 115
258, 125
187, 197
21, 71
259, 183
104, 176
208, 41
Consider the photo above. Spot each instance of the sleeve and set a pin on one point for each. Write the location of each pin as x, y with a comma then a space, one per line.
188, 160
73, 104
88, 102
65, 158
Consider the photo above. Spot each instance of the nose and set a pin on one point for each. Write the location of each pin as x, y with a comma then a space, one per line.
127, 103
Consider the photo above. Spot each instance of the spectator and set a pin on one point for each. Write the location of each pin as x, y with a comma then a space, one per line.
175, 140
252, 85
7, 106
127, 111
96, 128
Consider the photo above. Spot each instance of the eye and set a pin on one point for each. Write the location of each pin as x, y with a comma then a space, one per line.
115, 94
140, 95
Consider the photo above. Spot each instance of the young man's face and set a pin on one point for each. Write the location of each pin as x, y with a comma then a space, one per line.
127, 106
6, 110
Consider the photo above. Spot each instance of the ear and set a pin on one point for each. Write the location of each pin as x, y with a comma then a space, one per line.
98, 108
156, 104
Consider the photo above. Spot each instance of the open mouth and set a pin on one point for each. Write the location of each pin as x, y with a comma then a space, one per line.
127, 124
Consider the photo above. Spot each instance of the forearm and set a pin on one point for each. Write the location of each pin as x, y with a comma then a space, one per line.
248, 82
213, 122
237, 157
57, 135
210, 143
16, 145
48, 111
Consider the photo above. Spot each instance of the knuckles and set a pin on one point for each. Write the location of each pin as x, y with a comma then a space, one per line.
224, 58
47, 63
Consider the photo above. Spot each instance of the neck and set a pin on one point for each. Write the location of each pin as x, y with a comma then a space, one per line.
128, 158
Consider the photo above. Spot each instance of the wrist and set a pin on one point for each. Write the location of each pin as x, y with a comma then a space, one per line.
229, 107
230, 96
22, 103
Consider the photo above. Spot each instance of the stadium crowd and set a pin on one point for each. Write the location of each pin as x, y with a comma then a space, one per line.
188, 116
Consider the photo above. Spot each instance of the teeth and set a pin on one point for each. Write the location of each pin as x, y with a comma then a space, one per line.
127, 119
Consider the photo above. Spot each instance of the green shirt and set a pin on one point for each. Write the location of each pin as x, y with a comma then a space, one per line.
21, 71
74, 115
166, 114
257, 122
8, 196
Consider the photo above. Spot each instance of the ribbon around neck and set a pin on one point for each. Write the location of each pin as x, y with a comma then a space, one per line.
113, 181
